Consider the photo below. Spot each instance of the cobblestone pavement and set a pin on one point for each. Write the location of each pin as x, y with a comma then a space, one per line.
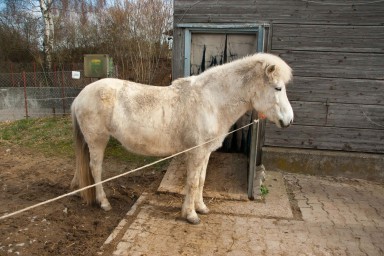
329, 216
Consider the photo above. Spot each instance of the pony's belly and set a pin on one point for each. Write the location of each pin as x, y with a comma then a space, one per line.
159, 145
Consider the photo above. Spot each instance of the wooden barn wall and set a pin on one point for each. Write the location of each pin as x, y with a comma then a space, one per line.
336, 49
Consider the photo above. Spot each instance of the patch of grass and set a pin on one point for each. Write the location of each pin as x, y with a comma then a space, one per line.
263, 191
53, 136
48, 135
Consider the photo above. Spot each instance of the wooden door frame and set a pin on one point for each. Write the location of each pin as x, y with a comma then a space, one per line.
257, 137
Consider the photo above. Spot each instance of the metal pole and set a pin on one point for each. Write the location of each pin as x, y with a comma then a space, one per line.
260, 39
252, 158
260, 140
187, 52
257, 131
261, 123
25, 96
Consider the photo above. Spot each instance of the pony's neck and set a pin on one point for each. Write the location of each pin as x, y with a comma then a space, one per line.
228, 93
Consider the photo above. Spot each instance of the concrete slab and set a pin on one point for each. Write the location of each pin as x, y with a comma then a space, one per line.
226, 177
276, 204
166, 207
322, 163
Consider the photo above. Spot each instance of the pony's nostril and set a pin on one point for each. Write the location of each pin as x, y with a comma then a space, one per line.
283, 125
291, 121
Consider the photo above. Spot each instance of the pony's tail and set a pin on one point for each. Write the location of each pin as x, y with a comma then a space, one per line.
83, 171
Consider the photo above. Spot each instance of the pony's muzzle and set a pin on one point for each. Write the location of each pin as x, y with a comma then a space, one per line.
283, 125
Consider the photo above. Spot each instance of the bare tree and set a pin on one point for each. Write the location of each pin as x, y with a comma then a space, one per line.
19, 33
48, 39
136, 31
131, 31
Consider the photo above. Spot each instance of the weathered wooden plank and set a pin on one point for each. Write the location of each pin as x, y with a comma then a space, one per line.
178, 53
328, 38
331, 138
336, 90
328, 31
359, 116
248, 18
214, 6
294, 11
334, 64
309, 113
338, 115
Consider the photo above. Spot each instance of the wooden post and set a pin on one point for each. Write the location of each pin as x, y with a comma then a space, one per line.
12, 74
55, 74
25, 95
34, 73
63, 90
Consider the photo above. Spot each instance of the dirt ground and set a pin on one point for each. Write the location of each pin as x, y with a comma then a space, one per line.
66, 226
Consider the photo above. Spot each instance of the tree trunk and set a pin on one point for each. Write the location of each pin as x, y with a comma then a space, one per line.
45, 6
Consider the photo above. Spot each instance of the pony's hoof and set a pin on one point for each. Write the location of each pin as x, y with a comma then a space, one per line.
106, 207
191, 217
74, 185
203, 210
193, 220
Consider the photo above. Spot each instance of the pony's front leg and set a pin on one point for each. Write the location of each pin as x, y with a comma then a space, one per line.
194, 162
199, 201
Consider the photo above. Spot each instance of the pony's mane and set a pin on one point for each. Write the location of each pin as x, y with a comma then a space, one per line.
246, 64
283, 71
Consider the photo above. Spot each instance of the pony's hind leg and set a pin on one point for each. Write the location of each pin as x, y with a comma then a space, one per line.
75, 181
195, 162
96, 153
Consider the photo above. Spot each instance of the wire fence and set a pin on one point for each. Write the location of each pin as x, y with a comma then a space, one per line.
37, 94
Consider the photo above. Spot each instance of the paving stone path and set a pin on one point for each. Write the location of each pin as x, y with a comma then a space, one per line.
327, 216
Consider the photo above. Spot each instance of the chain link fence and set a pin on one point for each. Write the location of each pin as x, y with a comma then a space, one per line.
35, 94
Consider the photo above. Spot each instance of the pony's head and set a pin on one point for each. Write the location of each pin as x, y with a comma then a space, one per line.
271, 95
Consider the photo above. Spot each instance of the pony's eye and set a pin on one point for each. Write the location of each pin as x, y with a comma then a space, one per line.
278, 89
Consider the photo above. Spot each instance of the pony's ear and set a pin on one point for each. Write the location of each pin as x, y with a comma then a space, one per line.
270, 70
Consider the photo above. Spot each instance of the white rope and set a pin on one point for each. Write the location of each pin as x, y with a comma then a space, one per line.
62, 98
121, 175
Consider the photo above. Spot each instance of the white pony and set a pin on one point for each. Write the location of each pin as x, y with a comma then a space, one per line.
160, 121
